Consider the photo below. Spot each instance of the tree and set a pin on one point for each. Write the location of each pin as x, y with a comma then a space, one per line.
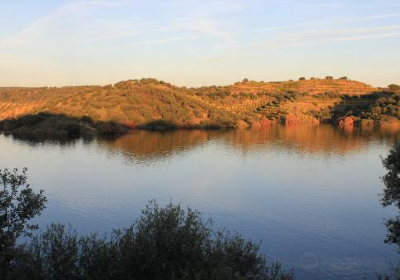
302, 79
391, 196
391, 180
168, 243
394, 87
344, 78
391, 193
245, 80
18, 205
329, 77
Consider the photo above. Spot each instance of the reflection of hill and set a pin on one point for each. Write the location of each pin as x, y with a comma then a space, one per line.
146, 145
323, 139
312, 139
38, 142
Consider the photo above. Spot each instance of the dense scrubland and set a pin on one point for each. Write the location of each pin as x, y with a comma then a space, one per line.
153, 104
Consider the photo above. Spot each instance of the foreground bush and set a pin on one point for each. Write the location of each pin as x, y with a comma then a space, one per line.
18, 205
165, 243
391, 196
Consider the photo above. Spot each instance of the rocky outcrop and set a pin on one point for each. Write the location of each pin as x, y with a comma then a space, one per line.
345, 121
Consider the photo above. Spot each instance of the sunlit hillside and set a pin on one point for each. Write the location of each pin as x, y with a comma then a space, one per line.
147, 102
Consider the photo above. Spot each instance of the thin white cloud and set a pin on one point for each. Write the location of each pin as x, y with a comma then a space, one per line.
163, 41
205, 18
362, 37
352, 38
209, 27
359, 30
313, 37
41, 26
367, 18
324, 6
47, 29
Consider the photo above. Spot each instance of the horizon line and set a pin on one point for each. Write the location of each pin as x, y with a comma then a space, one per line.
186, 86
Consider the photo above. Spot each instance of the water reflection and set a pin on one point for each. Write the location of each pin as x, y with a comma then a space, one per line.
144, 146
303, 190
324, 139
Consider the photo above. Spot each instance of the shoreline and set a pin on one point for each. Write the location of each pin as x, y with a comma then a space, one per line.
61, 127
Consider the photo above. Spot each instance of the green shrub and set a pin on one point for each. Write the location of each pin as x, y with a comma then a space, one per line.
165, 243
394, 87
18, 205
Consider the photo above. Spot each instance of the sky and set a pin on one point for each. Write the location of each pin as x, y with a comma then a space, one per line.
196, 43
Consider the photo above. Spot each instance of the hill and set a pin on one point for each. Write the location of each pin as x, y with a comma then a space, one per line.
153, 104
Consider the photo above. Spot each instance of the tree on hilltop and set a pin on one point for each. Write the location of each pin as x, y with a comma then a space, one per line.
394, 87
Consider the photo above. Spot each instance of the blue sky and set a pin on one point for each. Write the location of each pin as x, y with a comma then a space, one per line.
193, 43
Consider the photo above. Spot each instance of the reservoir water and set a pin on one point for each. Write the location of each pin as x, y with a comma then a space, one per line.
310, 194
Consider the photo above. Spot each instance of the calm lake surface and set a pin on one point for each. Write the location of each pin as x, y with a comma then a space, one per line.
310, 193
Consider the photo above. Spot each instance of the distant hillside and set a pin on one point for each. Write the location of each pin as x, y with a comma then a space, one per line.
314, 86
132, 102
149, 103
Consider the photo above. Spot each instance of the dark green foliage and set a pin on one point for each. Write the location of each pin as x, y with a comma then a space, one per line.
158, 125
327, 95
245, 95
18, 205
391, 196
165, 243
391, 193
393, 227
378, 106
329, 78
387, 105
45, 125
218, 95
302, 79
395, 275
